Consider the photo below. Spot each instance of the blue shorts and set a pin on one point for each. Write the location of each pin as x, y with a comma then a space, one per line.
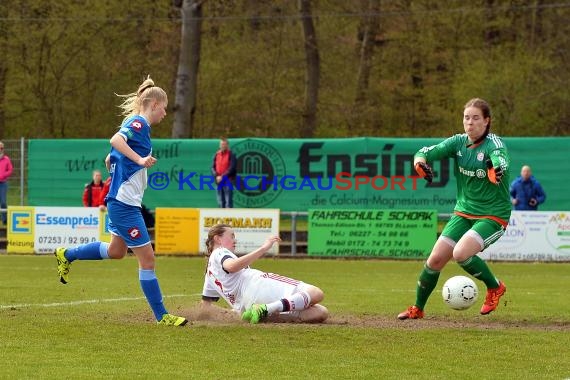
127, 222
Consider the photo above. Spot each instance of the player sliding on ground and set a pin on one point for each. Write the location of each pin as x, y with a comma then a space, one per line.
482, 210
131, 155
257, 295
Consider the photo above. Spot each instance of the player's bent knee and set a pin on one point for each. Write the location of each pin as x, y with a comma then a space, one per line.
324, 314
317, 295
460, 255
116, 254
315, 314
436, 263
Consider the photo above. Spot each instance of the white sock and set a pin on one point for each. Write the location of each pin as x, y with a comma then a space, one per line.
297, 301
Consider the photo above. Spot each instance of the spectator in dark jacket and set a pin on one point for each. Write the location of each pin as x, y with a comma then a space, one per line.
224, 170
526, 192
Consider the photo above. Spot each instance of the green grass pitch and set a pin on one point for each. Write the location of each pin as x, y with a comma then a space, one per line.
99, 326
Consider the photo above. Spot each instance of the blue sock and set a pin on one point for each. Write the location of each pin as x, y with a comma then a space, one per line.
151, 289
91, 251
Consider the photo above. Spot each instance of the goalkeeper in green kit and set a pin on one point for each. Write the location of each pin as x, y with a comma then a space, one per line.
482, 210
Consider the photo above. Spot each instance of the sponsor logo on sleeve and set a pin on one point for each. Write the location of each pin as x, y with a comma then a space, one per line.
136, 125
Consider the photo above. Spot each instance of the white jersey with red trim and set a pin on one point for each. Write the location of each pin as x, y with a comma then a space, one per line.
246, 286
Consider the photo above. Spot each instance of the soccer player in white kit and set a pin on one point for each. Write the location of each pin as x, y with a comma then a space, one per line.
255, 294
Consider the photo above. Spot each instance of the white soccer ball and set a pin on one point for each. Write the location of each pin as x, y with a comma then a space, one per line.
460, 292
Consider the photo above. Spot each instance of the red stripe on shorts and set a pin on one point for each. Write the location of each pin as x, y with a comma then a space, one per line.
284, 279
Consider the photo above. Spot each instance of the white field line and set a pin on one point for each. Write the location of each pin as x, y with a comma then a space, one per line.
83, 302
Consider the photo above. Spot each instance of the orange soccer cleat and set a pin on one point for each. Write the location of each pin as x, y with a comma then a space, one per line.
492, 298
413, 312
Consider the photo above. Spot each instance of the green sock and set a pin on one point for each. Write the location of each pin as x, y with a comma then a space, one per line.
479, 269
426, 285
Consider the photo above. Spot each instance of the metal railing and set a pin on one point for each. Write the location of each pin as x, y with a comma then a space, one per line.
294, 215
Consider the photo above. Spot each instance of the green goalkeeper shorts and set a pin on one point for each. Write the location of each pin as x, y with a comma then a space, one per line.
489, 230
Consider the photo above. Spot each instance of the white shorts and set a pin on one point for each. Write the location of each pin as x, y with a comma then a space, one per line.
269, 287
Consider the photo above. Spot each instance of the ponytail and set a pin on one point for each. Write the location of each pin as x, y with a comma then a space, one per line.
134, 102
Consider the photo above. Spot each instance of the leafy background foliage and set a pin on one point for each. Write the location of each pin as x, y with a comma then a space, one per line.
63, 61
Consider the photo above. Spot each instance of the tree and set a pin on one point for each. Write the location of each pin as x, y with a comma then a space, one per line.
3, 64
368, 33
66, 62
61, 63
371, 24
312, 70
188, 65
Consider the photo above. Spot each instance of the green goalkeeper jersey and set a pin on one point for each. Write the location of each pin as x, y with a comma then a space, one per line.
476, 194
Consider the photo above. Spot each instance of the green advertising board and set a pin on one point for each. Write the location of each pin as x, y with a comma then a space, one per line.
288, 174
402, 234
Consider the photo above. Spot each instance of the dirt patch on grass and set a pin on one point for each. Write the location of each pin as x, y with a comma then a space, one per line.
214, 314
482, 323
219, 316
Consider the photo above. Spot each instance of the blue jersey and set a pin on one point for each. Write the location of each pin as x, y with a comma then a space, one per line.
128, 179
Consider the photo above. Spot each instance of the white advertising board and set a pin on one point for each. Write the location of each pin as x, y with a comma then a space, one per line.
251, 226
533, 236
64, 227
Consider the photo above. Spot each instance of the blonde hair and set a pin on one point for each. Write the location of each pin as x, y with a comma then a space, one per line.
216, 230
135, 102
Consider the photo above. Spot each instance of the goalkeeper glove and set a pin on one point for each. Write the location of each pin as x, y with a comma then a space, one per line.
495, 174
424, 171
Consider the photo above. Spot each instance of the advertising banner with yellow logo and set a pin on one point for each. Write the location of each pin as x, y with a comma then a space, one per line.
20, 229
43, 229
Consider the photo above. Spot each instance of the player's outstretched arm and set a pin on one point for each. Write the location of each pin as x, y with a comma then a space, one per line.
234, 265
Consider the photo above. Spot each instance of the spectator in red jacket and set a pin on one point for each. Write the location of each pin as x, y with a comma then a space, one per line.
224, 169
6, 169
104, 192
93, 190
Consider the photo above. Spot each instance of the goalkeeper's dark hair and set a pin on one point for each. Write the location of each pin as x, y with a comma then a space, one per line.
486, 109
216, 230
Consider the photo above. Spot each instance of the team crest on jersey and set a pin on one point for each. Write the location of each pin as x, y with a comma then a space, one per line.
137, 125
480, 173
480, 156
134, 233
